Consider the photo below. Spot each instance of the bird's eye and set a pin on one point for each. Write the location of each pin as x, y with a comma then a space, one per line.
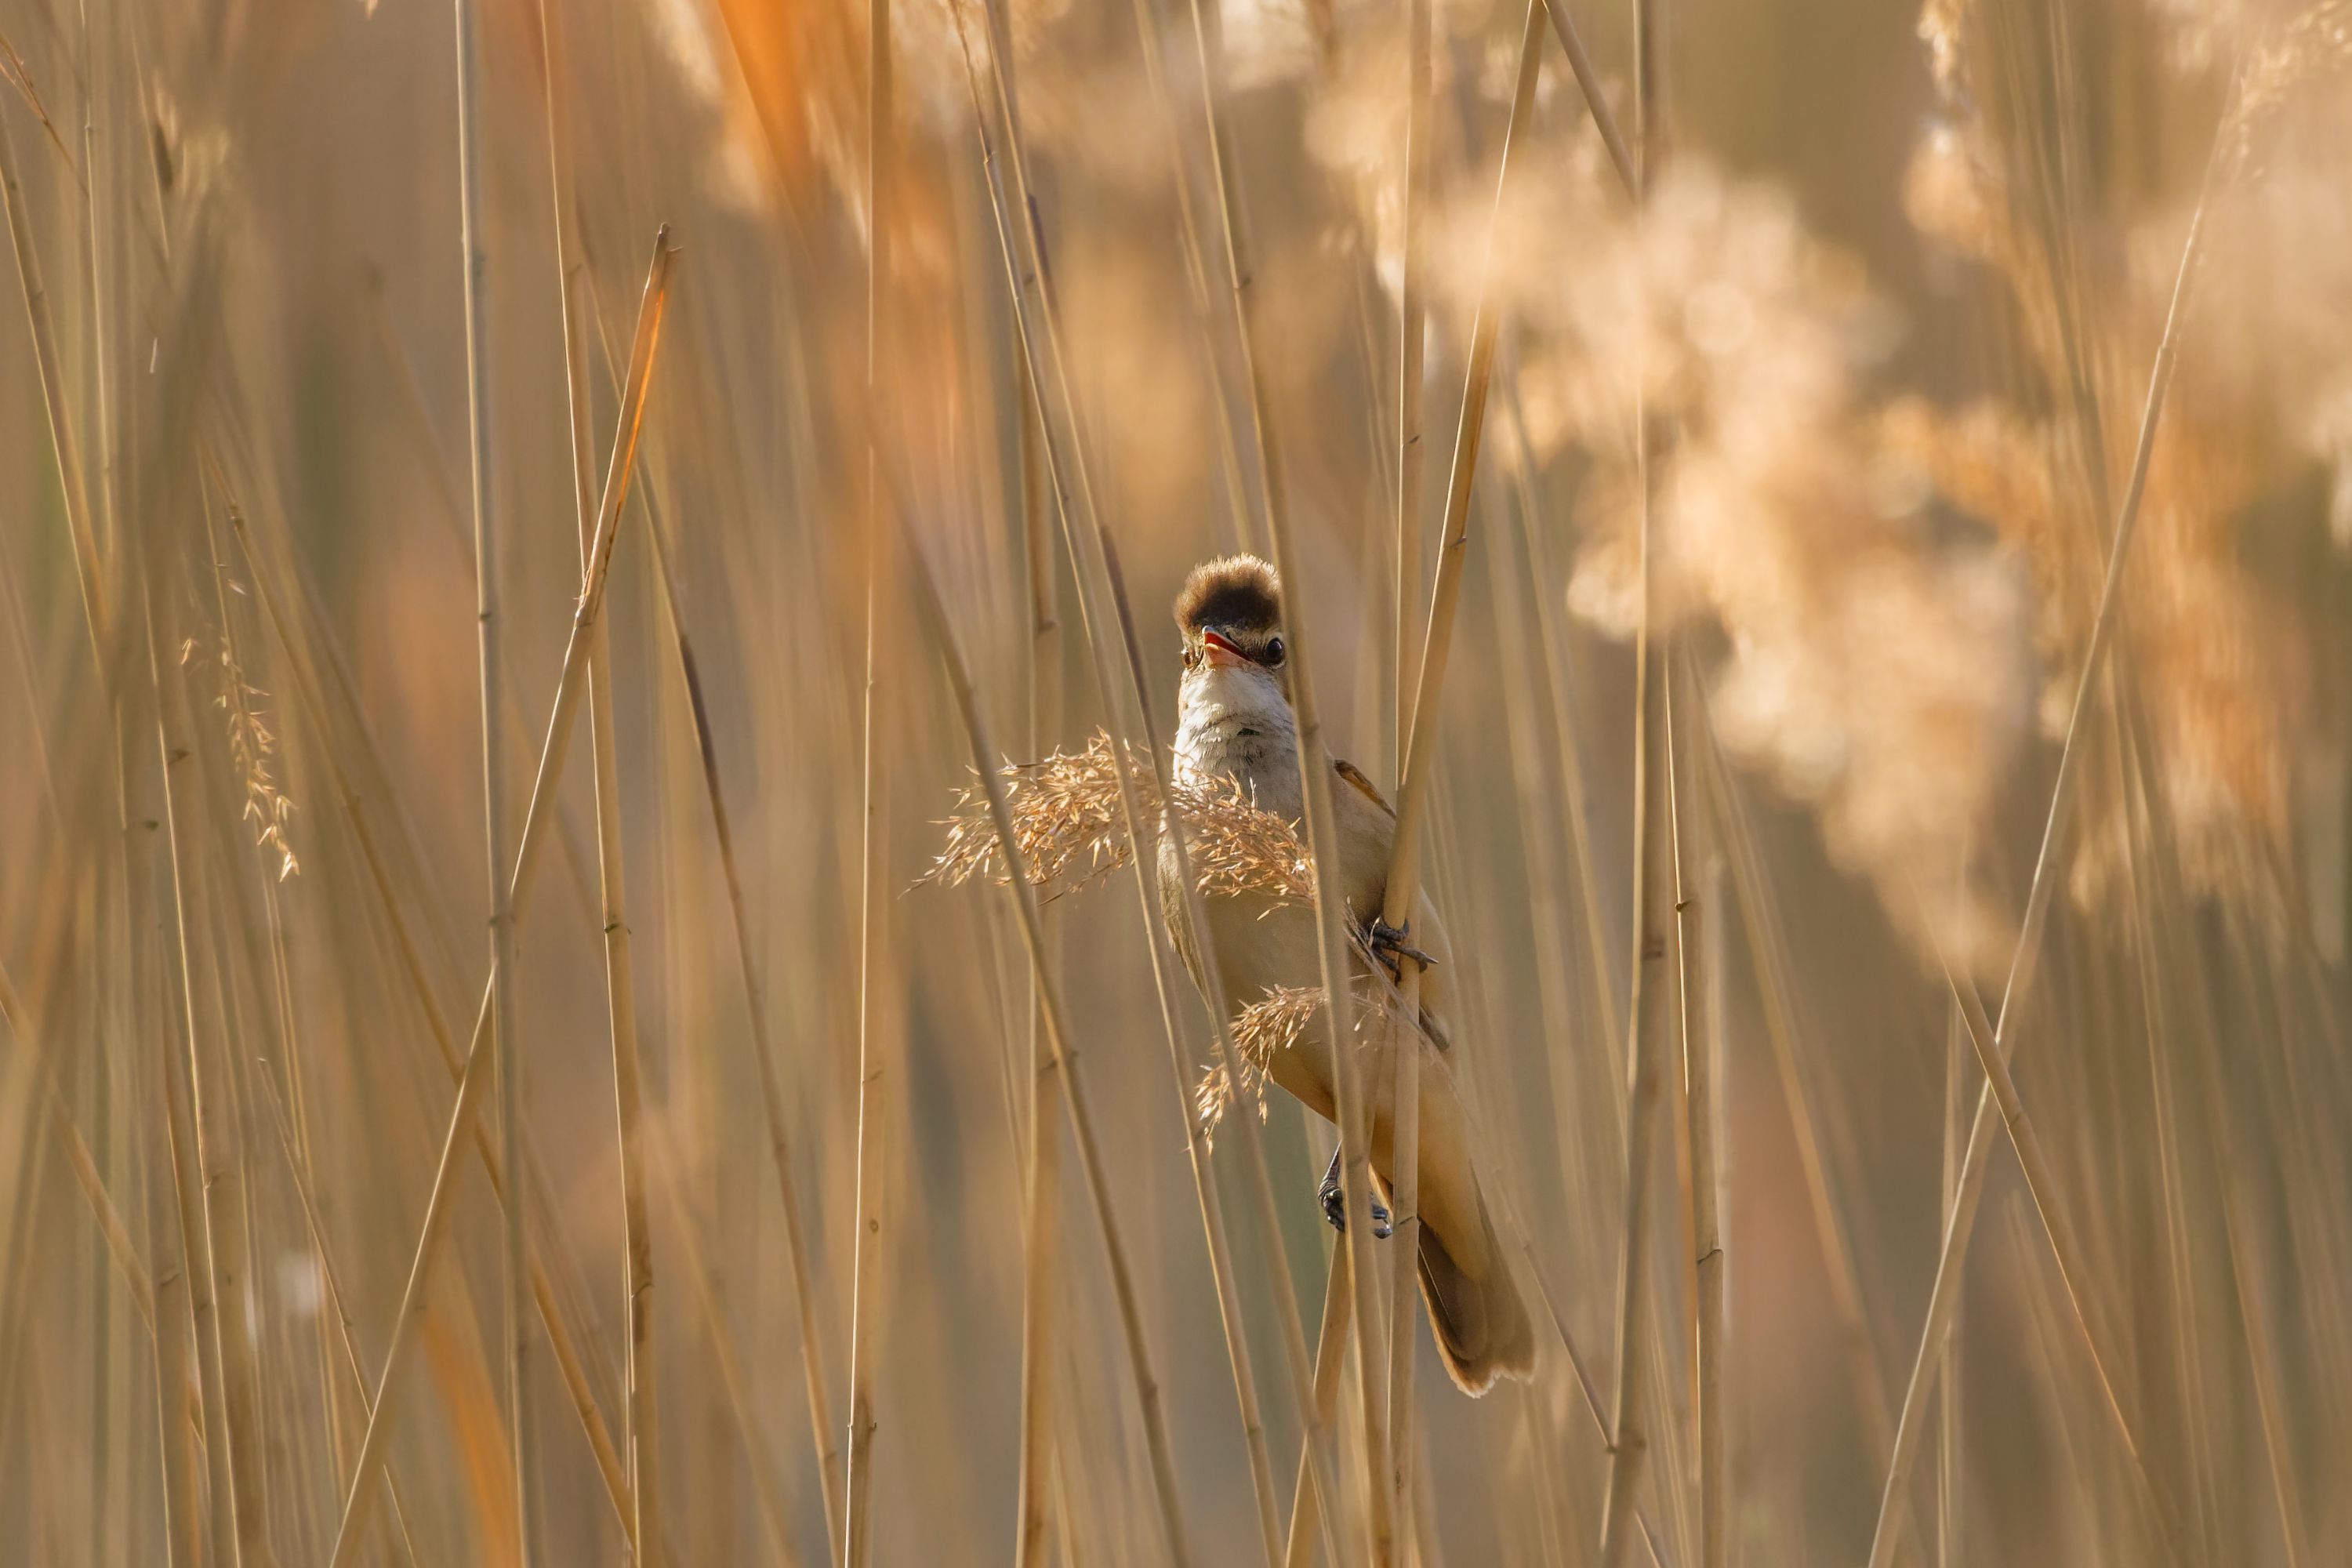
1192, 656
1273, 652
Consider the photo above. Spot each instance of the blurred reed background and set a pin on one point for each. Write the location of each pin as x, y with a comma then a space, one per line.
1852, 412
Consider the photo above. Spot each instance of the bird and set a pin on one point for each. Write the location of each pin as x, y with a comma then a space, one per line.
1234, 719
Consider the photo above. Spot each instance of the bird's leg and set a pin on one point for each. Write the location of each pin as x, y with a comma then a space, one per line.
1335, 1202
1388, 942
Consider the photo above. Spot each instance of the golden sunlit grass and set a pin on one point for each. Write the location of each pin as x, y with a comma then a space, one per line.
1885, 610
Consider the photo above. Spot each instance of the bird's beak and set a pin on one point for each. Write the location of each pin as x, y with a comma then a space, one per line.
1220, 651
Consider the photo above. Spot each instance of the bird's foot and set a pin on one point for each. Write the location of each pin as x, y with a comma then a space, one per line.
1389, 942
1335, 1206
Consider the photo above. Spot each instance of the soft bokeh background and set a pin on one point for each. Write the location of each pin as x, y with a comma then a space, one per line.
1897, 299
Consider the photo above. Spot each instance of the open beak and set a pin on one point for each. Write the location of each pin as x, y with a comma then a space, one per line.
1220, 651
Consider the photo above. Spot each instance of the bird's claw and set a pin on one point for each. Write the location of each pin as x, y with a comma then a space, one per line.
1335, 1209
1389, 943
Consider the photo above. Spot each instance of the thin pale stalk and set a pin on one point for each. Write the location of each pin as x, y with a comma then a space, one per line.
491, 639
63, 445
570, 687
1403, 885
2040, 1184
1653, 872
1315, 774
1942, 1300
1645, 1040
1412, 335
2246, 1277
353, 800
1090, 1160
1041, 1173
756, 1457
76, 1150
2164, 988
1330, 1360
1196, 274
1951, 1500
873, 916
1086, 540
336, 1303
2183, 964
1573, 772
220, 1171
1229, 1060
1596, 100
1706, 1309
772, 1090
629, 1097
187, 1180
178, 1410
642, 1409
1784, 1031
872, 1087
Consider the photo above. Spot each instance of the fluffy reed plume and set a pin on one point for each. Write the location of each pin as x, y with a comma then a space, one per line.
1868, 668
2214, 649
1273, 1025
1066, 816
1263, 1029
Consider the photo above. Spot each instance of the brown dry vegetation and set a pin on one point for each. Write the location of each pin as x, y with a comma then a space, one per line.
1900, 637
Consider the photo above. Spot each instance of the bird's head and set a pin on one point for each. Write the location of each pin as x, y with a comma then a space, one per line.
1230, 612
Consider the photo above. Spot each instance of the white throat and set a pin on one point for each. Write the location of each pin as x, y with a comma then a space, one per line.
1235, 721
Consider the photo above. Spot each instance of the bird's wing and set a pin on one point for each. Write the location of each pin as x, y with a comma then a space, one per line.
1362, 785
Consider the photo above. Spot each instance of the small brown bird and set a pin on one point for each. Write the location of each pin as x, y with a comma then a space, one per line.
1235, 718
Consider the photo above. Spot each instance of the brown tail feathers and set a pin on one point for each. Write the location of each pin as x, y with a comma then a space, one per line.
1482, 1326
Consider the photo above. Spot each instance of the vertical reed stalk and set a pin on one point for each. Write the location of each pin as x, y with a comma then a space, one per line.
1355, 1126
1089, 545
1228, 1060
871, 899
1042, 1174
490, 638
771, 1090
178, 1416
65, 447
1404, 1177
761, 1463
570, 687
1330, 1360
1950, 1499
1652, 876
219, 1169
1699, 1025
1944, 1298
1241, 515
1412, 337
628, 1096
1402, 890
642, 1391
351, 795
314, 1226
1074, 1101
